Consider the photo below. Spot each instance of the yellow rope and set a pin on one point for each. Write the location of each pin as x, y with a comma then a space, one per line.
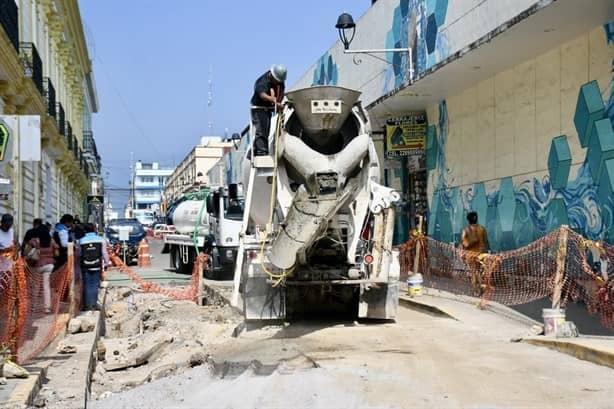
284, 273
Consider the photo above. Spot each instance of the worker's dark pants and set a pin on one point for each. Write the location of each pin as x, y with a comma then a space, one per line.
261, 120
91, 280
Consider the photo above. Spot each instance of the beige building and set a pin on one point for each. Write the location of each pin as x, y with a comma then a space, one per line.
193, 171
45, 70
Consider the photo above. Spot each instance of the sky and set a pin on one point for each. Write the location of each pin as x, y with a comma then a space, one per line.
152, 61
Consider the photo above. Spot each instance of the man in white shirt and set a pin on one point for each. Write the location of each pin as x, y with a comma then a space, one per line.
7, 242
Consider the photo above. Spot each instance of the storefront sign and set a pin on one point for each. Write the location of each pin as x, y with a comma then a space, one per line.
406, 136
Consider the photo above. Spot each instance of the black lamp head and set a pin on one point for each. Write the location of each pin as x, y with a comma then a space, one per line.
346, 26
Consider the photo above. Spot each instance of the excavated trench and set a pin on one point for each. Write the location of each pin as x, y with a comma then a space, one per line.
149, 337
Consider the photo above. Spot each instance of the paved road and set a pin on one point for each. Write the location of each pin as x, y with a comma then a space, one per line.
420, 362
159, 271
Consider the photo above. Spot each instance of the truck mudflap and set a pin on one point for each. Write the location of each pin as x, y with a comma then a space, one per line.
379, 301
262, 301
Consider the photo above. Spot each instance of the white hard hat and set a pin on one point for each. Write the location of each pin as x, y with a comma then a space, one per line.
279, 72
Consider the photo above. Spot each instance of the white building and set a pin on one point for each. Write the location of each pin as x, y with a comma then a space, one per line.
517, 104
45, 71
229, 169
149, 185
193, 171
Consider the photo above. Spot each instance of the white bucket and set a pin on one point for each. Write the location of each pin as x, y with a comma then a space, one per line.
554, 318
414, 284
395, 266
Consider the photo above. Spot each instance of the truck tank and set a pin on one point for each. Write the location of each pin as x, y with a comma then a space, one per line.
185, 217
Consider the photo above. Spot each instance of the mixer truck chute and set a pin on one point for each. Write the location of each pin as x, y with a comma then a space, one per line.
317, 230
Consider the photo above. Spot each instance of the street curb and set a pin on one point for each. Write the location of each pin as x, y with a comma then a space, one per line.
214, 295
84, 382
586, 353
492, 306
93, 354
25, 393
415, 304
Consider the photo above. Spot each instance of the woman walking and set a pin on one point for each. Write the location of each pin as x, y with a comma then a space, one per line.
44, 266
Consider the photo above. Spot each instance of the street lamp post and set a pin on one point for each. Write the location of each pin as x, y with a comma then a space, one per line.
347, 29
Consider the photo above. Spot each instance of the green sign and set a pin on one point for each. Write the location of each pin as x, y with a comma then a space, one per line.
4, 140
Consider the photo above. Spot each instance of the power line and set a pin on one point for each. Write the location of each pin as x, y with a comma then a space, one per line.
133, 118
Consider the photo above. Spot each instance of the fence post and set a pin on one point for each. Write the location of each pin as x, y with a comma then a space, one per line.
418, 245
14, 318
200, 297
561, 261
70, 266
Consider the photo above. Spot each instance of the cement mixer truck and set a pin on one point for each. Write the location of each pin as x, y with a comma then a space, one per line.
317, 228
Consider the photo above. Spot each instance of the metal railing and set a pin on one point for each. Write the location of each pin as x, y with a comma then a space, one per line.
9, 20
90, 152
61, 119
75, 147
68, 135
50, 97
89, 145
32, 65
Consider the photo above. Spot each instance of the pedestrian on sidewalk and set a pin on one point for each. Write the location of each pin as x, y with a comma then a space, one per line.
47, 249
77, 229
474, 237
62, 237
94, 257
269, 91
31, 233
7, 245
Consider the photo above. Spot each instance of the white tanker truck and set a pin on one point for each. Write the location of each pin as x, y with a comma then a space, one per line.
209, 221
317, 229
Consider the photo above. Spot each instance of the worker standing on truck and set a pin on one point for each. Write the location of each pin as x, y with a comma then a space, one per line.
268, 93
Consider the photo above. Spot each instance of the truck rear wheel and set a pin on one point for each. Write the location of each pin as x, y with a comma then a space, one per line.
177, 261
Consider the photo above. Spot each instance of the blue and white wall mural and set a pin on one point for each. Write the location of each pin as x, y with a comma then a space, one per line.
326, 72
520, 210
416, 23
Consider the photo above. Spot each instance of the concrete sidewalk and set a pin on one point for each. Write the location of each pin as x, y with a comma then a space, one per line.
52, 368
18, 393
599, 350
596, 349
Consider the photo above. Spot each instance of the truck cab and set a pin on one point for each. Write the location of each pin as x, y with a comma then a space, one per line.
225, 208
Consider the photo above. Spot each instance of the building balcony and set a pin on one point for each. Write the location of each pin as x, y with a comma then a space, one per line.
68, 135
50, 97
75, 147
61, 118
90, 152
9, 20
32, 65
147, 200
148, 186
89, 144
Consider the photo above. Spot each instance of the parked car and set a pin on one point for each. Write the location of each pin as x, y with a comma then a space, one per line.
161, 229
128, 248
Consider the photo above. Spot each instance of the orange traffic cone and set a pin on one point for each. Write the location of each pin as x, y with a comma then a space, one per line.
144, 255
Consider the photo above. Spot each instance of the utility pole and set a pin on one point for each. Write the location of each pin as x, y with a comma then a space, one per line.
210, 101
132, 200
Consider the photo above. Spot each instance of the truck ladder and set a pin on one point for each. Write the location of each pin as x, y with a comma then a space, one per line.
261, 166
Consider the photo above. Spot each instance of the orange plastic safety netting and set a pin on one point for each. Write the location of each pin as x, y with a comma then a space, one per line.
189, 292
560, 263
35, 307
